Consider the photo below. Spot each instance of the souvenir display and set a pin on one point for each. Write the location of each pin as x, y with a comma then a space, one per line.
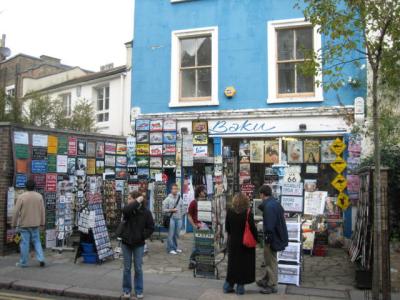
169, 137
142, 125
156, 125
156, 150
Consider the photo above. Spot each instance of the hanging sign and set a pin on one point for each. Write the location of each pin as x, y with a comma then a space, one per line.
339, 183
343, 201
339, 165
338, 146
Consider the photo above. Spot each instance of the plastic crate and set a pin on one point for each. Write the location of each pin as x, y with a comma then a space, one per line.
87, 247
90, 258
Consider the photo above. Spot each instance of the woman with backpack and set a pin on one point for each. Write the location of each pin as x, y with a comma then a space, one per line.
136, 227
241, 257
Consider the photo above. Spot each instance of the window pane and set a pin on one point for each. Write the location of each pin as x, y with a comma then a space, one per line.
100, 94
305, 84
304, 41
286, 78
99, 104
188, 83
100, 118
107, 103
107, 91
204, 82
204, 51
285, 44
106, 117
188, 52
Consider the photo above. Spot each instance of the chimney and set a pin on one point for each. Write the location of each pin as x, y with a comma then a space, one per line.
128, 46
106, 67
50, 59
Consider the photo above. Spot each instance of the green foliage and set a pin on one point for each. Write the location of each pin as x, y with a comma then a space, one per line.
83, 117
60, 118
40, 111
10, 108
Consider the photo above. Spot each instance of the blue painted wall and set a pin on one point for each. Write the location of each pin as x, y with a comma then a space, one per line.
242, 26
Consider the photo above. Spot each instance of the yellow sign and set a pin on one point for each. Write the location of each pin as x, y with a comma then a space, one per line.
230, 91
343, 201
52, 143
338, 146
339, 183
339, 165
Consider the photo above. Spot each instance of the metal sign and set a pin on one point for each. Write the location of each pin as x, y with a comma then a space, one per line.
339, 165
343, 201
338, 146
339, 183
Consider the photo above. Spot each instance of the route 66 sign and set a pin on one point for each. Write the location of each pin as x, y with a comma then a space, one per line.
339, 183
339, 165
292, 174
343, 201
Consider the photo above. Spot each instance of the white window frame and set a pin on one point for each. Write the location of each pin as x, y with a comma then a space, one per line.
175, 100
104, 110
68, 109
272, 62
9, 89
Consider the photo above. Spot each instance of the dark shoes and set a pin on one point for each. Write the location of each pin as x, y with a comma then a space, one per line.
269, 290
240, 289
42, 264
228, 289
262, 283
192, 265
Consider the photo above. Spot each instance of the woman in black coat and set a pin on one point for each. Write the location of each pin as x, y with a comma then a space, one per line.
241, 260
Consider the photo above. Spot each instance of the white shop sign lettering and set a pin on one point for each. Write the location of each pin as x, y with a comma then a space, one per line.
292, 189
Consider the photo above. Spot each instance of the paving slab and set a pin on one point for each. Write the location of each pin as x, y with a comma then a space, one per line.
85, 293
6, 282
39, 287
316, 292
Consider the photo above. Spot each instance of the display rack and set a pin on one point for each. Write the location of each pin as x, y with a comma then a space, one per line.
160, 193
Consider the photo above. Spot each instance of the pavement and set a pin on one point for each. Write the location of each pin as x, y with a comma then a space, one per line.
167, 277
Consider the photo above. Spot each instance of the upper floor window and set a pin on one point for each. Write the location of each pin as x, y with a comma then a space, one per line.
288, 43
10, 90
66, 102
194, 67
103, 104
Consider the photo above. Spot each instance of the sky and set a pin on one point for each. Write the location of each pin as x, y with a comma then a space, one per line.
84, 33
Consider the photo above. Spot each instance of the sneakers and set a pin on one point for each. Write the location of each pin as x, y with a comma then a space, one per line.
269, 290
173, 252
126, 296
19, 265
178, 250
139, 296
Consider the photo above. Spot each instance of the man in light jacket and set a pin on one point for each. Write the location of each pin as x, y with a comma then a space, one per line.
29, 216
173, 205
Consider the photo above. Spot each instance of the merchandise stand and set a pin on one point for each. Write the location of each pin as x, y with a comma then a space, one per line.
160, 193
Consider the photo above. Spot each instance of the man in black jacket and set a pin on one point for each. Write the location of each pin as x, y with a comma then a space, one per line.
138, 227
275, 239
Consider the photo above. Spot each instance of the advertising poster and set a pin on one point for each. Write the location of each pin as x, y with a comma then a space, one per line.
40, 180
311, 151
39, 140
121, 161
52, 163
82, 148
169, 137
199, 127
310, 185
52, 144
187, 151
110, 148
169, 149
81, 166
62, 145
143, 161
39, 153
291, 253
71, 165
99, 166
121, 149
142, 125
200, 151
143, 137
314, 203
169, 125
155, 162
169, 162
292, 188
131, 151
156, 125
20, 180
156, 137
353, 186
51, 182
244, 173
62, 163
327, 155
39, 166
100, 150
91, 166
21, 166
200, 139
295, 152
72, 146
156, 150
257, 152
21, 151
21, 137
91, 149
271, 152
292, 204
109, 160
142, 149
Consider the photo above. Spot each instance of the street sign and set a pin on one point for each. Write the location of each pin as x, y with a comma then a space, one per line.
339, 165
343, 201
339, 183
338, 146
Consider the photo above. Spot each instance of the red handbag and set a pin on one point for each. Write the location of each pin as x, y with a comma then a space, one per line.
248, 239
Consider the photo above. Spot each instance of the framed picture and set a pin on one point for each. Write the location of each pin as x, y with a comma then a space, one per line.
169, 137
110, 148
327, 155
169, 162
311, 151
156, 162
143, 149
156, 125
200, 139
295, 151
199, 127
257, 152
100, 150
156, 137
156, 150
169, 125
169, 149
81, 148
142, 137
271, 149
142, 161
142, 125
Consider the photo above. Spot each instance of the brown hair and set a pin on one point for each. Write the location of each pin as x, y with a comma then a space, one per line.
137, 194
240, 202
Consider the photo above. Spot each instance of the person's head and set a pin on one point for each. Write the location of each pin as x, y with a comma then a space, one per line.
174, 189
200, 192
30, 185
240, 202
133, 196
265, 191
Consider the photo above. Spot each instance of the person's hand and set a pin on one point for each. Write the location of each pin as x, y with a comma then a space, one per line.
174, 210
140, 199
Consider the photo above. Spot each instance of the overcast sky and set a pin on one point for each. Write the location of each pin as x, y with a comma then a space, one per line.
85, 33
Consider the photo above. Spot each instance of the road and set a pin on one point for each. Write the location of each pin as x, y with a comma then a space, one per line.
14, 295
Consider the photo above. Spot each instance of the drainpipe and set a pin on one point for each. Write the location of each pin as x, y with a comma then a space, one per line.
122, 86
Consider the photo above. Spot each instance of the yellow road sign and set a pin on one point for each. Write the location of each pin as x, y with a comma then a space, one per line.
343, 201
338, 146
339, 165
339, 183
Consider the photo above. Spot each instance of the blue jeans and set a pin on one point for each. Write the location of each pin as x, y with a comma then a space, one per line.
175, 226
30, 235
137, 253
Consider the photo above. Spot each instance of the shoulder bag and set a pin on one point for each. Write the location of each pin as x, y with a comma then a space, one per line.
248, 239
167, 217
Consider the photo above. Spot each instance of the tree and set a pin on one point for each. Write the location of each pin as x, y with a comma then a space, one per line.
39, 111
83, 117
354, 30
10, 108
60, 118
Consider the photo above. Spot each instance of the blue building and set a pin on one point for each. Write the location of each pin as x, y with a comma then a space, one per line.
232, 63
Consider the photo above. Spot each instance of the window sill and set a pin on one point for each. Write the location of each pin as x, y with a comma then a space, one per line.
294, 100
193, 103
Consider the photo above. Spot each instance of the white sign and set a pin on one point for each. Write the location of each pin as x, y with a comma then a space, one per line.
314, 203
21, 137
312, 169
39, 140
62, 163
292, 189
200, 151
274, 125
10, 201
292, 204
292, 174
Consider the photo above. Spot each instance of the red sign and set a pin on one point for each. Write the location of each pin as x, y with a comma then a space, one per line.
72, 144
51, 182
40, 180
